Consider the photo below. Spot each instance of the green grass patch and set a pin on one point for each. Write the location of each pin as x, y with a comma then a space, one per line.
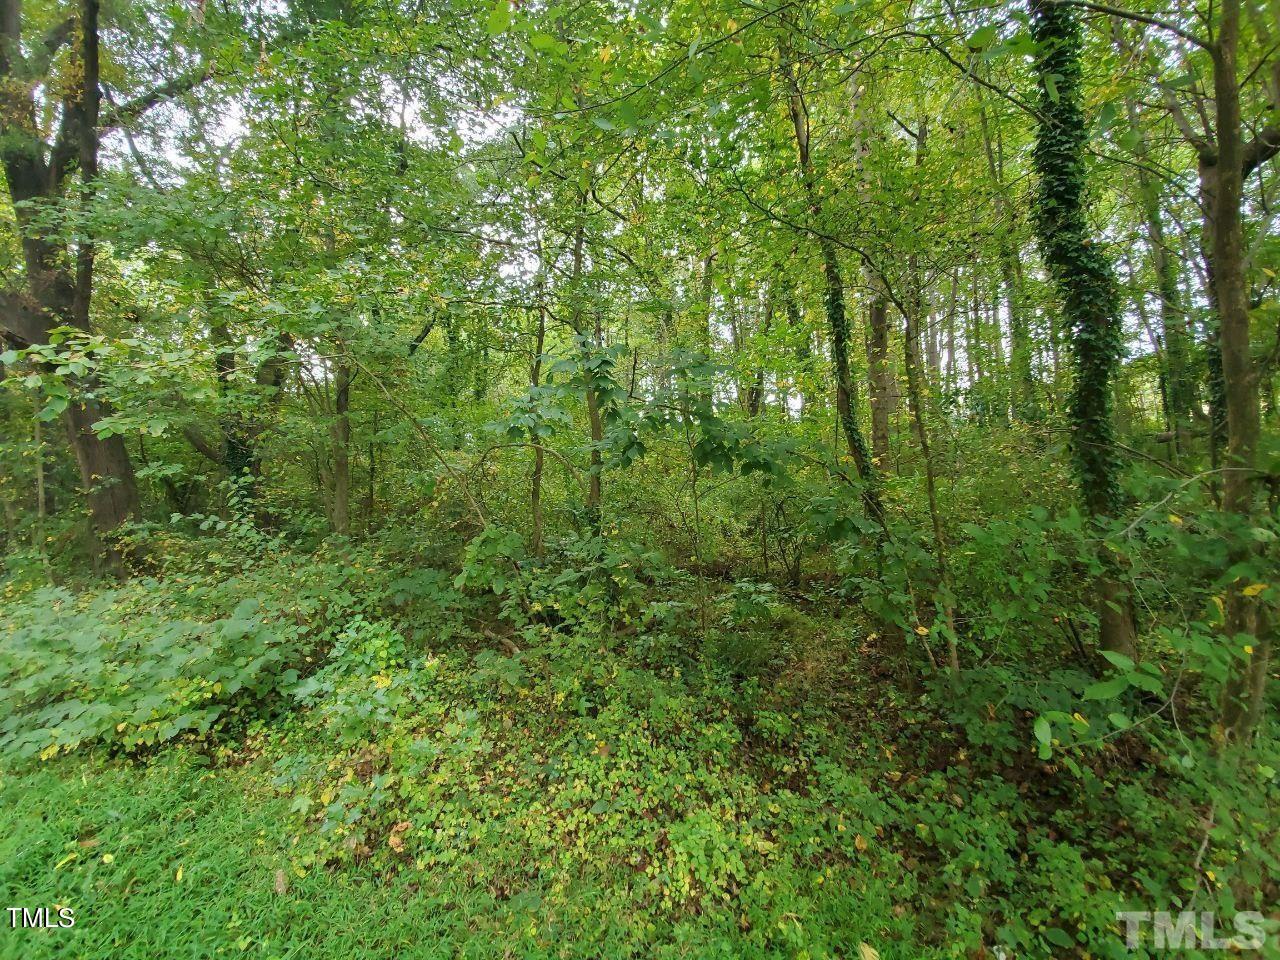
174, 860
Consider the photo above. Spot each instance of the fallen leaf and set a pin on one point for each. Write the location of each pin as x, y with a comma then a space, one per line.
861, 843
868, 952
396, 839
282, 883
177, 877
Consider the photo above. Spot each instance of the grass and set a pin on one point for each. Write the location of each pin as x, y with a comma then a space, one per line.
170, 861
173, 860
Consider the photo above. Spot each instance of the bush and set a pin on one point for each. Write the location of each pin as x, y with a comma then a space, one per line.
118, 668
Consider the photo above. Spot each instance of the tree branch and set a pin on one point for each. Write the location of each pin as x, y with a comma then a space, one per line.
131, 110
1139, 18
1260, 149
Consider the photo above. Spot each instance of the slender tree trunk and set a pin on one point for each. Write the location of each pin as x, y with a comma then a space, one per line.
804, 350
915, 403
1179, 390
586, 342
837, 318
341, 433
755, 395
972, 340
1024, 398
878, 378
704, 339
370, 497
535, 380
952, 375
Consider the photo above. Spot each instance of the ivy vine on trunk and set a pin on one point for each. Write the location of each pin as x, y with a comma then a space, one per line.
1085, 285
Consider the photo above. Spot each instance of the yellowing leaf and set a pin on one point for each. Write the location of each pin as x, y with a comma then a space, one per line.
108, 858
1175, 519
1253, 589
923, 631
867, 952
177, 877
396, 839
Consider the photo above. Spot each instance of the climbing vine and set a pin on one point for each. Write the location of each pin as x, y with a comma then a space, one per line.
1081, 273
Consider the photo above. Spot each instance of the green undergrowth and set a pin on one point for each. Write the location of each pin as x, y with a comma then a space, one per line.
173, 859
605, 758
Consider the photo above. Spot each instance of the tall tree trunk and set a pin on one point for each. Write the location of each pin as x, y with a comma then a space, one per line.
837, 318
585, 343
341, 433
1243, 697
972, 337
704, 339
755, 394
61, 295
915, 402
878, 379
1179, 391
535, 380
951, 376
371, 491
1086, 288
105, 469
1024, 397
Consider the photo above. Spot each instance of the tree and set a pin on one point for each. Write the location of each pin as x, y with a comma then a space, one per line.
59, 273
1086, 289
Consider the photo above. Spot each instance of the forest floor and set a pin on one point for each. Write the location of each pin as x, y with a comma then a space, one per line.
191, 852
742, 779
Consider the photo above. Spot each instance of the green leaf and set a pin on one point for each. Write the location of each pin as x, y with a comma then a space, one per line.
499, 17
1058, 937
1106, 689
1117, 660
1043, 731
983, 37
1050, 85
